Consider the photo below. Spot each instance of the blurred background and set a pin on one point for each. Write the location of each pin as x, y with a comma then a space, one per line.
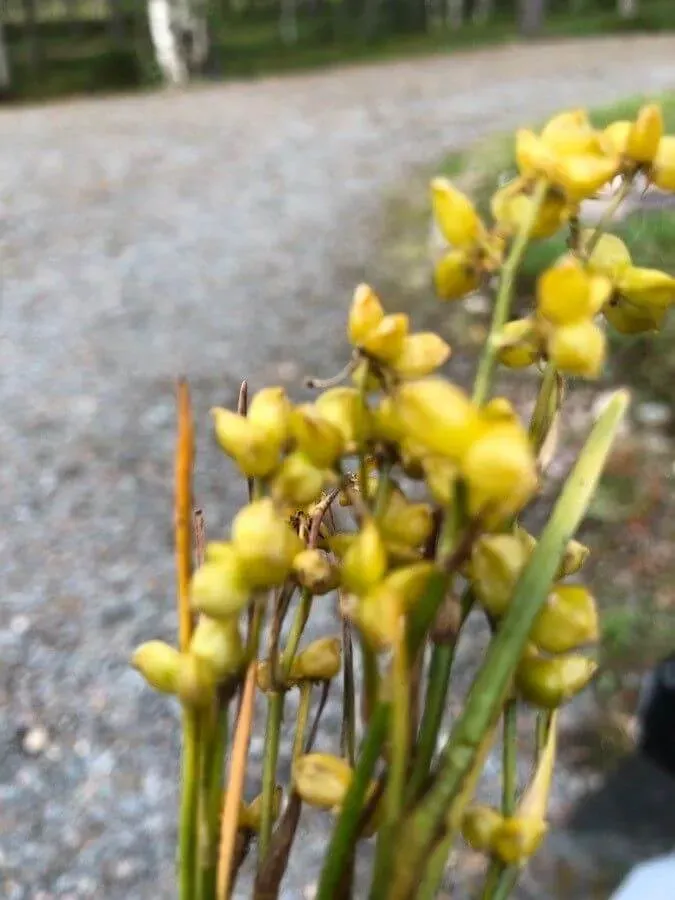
190, 219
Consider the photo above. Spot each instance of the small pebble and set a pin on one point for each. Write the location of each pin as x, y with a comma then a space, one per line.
35, 741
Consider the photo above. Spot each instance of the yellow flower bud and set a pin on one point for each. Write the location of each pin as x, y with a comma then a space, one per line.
441, 476
437, 415
404, 522
518, 838
548, 683
298, 481
409, 583
645, 134
251, 447
512, 208
365, 379
365, 314
568, 620
500, 409
578, 349
250, 815
610, 255
615, 137
629, 319
518, 345
500, 470
646, 287
385, 342
583, 175
320, 661
456, 275
319, 439
479, 826
270, 410
315, 571
343, 408
340, 543
376, 615
385, 422
663, 170
158, 663
265, 544
421, 355
496, 563
571, 132
575, 556
220, 588
365, 561
534, 156
218, 645
455, 214
196, 681
567, 293
263, 676
321, 780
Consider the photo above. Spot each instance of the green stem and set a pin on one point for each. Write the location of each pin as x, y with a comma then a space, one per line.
502, 306
301, 719
275, 711
436, 866
189, 806
302, 612
371, 678
492, 682
545, 407
607, 216
214, 745
345, 832
348, 737
505, 883
510, 757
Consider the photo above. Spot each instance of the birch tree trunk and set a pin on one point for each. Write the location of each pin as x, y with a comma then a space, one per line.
180, 37
483, 10
531, 14
4, 62
627, 9
454, 14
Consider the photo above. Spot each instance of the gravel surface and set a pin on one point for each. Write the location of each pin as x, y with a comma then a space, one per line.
216, 233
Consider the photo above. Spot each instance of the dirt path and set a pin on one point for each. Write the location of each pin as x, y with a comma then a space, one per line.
217, 233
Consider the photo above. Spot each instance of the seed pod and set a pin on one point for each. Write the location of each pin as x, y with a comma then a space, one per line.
568, 620
496, 563
517, 839
365, 314
421, 355
158, 663
479, 826
385, 342
456, 275
343, 408
578, 349
500, 470
321, 780
320, 440
263, 676
250, 814
298, 481
567, 293
518, 344
265, 544
405, 523
320, 661
438, 416
251, 447
270, 410
615, 137
610, 256
385, 423
377, 614
575, 556
196, 681
548, 683
441, 476
646, 288
316, 572
365, 561
218, 645
645, 134
218, 589
409, 583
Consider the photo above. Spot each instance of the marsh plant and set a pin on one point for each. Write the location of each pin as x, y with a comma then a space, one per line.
436, 483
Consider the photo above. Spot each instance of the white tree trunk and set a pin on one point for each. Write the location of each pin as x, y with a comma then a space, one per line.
454, 13
4, 61
627, 9
179, 33
288, 22
483, 10
531, 16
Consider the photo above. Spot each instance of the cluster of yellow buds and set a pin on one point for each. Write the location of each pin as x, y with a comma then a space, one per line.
570, 161
552, 670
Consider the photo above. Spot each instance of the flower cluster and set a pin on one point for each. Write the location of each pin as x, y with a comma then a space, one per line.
404, 495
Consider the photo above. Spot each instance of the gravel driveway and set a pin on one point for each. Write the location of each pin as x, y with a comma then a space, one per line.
216, 233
